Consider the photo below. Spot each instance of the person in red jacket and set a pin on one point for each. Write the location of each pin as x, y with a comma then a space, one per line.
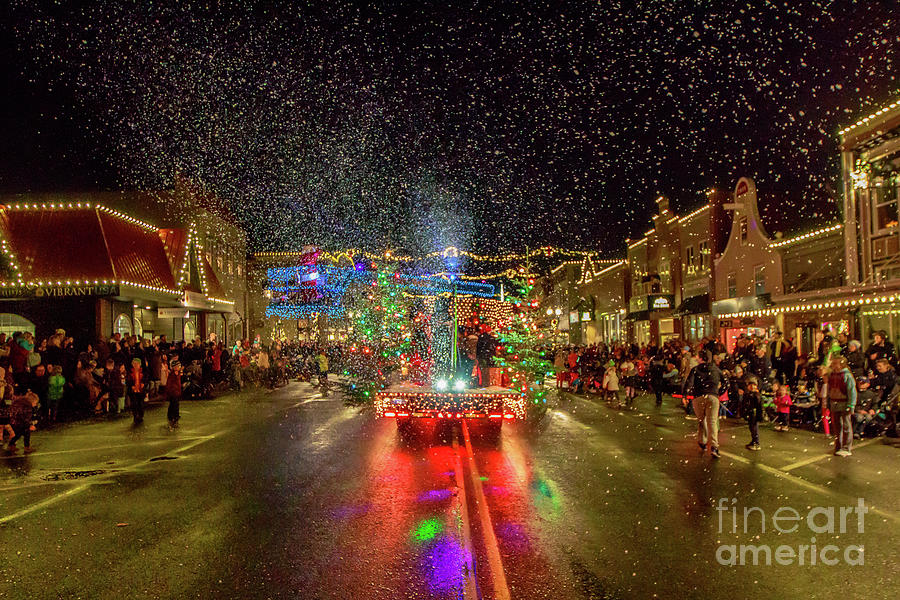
173, 393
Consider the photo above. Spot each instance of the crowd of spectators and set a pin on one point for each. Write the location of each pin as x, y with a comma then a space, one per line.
58, 380
792, 386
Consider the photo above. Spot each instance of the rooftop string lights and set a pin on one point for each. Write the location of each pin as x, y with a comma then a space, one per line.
806, 236
859, 301
865, 120
79, 206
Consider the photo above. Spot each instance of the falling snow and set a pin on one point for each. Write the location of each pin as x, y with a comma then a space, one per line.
491, 127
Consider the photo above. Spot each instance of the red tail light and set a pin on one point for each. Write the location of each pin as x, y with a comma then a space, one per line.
402, 414
509, 416
440, 415
390, 414
495, 416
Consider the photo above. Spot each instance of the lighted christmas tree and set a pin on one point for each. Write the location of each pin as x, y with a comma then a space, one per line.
523, 358
383, 341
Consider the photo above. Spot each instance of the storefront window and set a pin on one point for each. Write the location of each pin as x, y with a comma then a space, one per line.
732, 285
138, 328
190, 331
665, 276
704, 256
122, 325
642, 332
759, 280
884, 207
11, 323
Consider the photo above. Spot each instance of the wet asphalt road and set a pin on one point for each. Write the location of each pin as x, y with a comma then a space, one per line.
287, 494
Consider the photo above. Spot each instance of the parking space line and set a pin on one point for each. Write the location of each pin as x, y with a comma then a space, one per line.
498, 577
75, 450
818, 457
83, 486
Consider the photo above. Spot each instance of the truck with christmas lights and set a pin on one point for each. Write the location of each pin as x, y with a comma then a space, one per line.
450, 400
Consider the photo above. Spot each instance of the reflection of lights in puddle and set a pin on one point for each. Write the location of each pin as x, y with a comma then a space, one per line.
444, 564
428, 530
513, 537
347, 512
495, 490
435, 495
545, 497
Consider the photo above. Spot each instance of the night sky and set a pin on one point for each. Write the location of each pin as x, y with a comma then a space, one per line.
488, 125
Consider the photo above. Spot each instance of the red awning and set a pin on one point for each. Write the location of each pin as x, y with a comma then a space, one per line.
57, 244
62, 244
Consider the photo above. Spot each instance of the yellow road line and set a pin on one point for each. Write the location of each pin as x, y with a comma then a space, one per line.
498, 577
470, 590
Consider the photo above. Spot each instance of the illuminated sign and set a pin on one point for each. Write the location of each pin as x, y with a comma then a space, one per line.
57, 291
661, 302
586, 316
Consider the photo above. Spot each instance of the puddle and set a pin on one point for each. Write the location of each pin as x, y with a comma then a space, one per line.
591, 586
66, 475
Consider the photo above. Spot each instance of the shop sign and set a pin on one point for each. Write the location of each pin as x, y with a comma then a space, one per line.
173, 313
586, 316
573, 316
58, 291
194, 299
651, 302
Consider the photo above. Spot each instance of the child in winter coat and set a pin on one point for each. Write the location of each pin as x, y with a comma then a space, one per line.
611, 383
752, 409
783, 404
56, 387
115, 383
173, 393
629, 375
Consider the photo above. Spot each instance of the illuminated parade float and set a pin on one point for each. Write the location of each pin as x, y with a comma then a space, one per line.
418, 342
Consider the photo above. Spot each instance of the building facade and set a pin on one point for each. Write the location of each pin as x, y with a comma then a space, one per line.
72, 261
870, 160
762, 280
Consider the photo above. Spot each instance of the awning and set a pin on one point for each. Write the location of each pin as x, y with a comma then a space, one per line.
71, 245
640, 315
695, 305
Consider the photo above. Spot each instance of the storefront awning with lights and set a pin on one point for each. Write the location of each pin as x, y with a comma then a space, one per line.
848, 298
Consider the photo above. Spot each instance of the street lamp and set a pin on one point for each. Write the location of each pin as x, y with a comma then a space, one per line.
549, 311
